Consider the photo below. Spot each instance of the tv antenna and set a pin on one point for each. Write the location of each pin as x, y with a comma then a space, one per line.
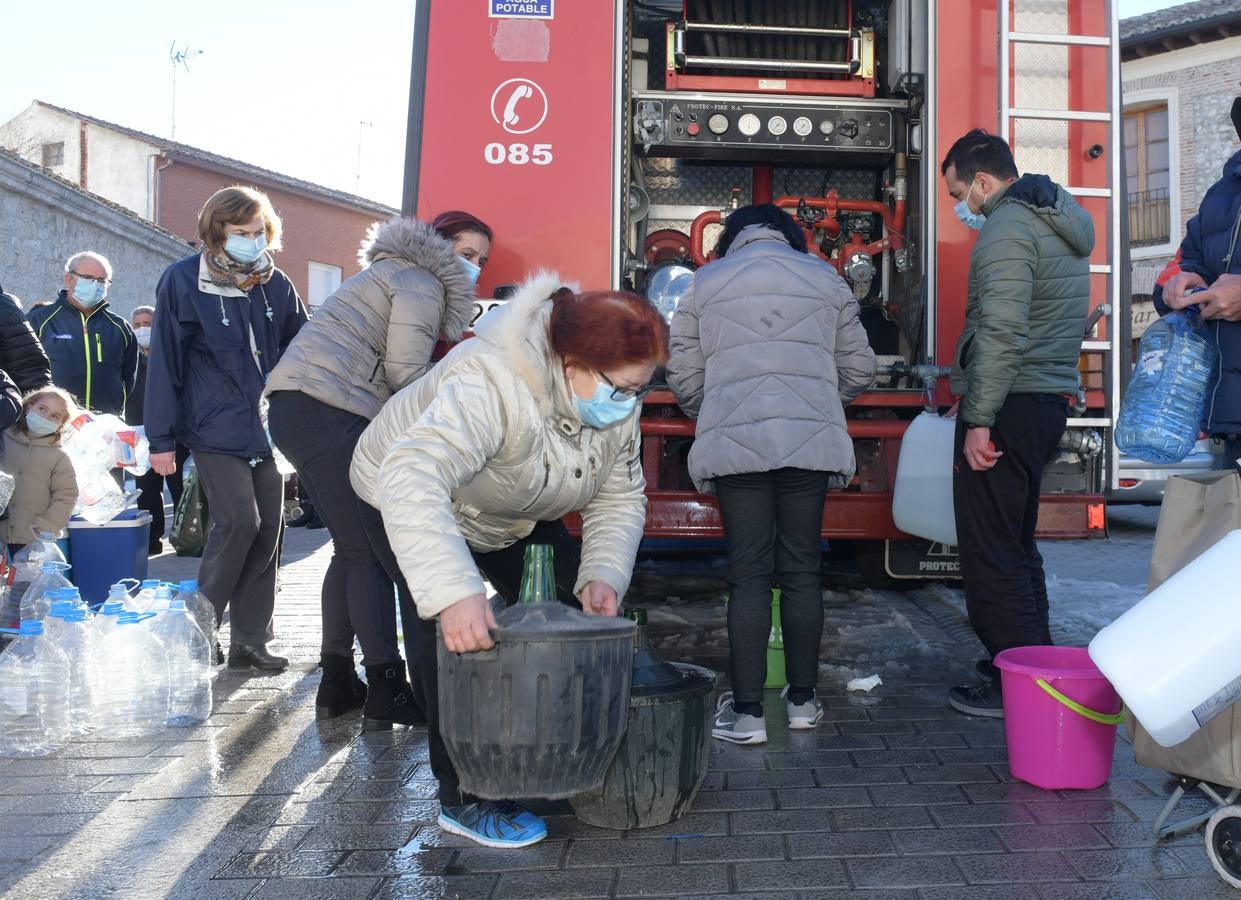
181, 58
357, 182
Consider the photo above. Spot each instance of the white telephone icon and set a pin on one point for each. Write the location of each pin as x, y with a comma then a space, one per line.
510, 110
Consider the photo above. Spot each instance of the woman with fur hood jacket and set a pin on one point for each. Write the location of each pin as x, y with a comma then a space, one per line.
372, 337
532, 419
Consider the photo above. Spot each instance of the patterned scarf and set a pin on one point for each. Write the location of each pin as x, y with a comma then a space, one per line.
224, 271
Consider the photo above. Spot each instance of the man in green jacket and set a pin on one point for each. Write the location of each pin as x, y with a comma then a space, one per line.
1015, 370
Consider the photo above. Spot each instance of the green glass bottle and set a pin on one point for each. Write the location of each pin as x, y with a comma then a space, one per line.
538, 577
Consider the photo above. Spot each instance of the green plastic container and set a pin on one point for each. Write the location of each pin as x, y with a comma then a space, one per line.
776, 677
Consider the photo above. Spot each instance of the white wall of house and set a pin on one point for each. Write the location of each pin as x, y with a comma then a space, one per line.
118, 167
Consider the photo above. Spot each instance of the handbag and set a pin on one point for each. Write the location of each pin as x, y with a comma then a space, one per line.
1197, 511
192, 521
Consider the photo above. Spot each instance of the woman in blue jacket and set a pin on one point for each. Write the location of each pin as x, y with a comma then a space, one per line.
222, 320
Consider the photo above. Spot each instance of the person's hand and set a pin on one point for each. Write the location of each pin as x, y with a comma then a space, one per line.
954, 409
979, 452
598, 599
466, 624
1176, 286
164, 463
1222, 300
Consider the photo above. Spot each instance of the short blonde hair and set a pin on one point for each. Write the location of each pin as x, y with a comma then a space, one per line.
236, 205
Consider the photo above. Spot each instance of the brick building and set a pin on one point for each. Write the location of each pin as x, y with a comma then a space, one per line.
166, 182
1181, 70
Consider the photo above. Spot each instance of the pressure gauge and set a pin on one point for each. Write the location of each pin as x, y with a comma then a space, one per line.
802, 126
777, 125
827, 126
749, 124
718, 123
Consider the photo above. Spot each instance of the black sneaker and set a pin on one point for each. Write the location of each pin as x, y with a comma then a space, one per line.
978, 700
986, 671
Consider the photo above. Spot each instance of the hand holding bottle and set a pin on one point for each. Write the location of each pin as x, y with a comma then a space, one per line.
1175, 290
466, 625
599, 599
1222, 300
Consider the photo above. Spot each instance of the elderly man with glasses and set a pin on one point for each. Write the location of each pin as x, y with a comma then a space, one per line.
93, 351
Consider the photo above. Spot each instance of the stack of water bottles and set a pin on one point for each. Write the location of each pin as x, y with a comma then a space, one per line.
1164, 404
141, 662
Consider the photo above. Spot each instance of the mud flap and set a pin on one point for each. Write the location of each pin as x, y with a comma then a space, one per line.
917, 559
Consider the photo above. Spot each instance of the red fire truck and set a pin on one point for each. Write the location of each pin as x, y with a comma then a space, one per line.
607, 139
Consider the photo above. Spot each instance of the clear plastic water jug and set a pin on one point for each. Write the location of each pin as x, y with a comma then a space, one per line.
200, 607
922, 502
189, 665
133, 680
145, 598
75, 636
1162, 411
36, 601
108, 616
34, 695
1173, 656
28, 565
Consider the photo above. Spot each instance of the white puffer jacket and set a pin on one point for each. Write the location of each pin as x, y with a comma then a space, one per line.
487, 444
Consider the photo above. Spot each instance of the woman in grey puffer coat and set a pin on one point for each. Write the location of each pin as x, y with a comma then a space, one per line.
766, 352
372, 337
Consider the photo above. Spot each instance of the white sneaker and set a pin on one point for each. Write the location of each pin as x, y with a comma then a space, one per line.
735, 728
802, 716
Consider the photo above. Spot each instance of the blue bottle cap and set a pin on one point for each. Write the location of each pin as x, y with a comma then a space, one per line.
189, 585
176, 605
30, 627
150, 583
112, 608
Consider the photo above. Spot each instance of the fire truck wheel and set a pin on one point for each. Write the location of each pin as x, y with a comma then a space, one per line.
1223, 841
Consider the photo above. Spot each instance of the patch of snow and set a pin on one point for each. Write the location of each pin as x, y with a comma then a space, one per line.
867, 684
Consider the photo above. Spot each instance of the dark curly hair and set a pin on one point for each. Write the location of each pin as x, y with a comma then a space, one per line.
766, 214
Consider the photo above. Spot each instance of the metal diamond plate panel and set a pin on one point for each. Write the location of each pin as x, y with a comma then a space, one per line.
689, 183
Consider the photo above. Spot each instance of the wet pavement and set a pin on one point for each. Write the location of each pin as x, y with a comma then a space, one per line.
893, 796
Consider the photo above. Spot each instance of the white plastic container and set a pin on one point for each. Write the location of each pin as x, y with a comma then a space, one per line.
922, 499
1173, 656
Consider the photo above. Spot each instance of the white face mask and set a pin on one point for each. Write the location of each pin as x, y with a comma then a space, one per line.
143, 334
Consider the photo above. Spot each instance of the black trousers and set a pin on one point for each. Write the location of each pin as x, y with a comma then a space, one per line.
357, 596
503, 570
1232, 450
996, 514
238, 568
151, 486
772, 523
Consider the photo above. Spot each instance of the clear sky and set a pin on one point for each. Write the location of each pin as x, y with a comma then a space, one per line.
282, 84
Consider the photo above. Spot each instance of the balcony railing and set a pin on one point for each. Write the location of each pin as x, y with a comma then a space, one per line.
1150, 219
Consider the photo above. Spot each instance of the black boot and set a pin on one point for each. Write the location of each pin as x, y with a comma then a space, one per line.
340, 690
389, 700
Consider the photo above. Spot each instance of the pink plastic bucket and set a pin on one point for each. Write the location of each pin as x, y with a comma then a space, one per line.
1060, 717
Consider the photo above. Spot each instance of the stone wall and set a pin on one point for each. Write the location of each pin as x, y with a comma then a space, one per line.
47, 219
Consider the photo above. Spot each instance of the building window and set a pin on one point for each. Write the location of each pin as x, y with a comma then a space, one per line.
53, 155
322, 280
1149, 179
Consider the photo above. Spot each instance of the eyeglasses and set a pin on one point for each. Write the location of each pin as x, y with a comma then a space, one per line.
104, 280
620, 393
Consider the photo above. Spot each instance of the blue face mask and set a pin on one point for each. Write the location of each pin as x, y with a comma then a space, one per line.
472, 271
88, 293
244, 249
601, 411
39, 426
968, 217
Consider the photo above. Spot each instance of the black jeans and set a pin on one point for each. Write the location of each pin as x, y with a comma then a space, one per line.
996, 514
772, 524
151, 499
1232, 450
238, 568
358, 596
503, 570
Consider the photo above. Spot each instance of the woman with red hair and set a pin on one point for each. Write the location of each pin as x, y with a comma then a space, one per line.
533, 419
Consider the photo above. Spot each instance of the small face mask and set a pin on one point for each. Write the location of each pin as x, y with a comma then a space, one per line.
39, 426
88, 293
472, 271
968, 217
601, 411
143, 335
244, 249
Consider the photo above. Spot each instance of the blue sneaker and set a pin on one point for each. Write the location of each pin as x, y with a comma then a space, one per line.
493, 823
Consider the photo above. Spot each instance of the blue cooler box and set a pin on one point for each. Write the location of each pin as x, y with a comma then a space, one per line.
104, 554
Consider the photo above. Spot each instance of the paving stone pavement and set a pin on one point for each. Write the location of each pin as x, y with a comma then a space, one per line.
893, 796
